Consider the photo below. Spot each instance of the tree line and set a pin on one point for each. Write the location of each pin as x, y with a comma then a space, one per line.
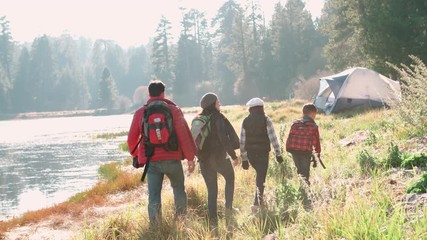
237, 53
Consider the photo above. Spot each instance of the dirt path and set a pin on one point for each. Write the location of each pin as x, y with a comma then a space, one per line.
64, 227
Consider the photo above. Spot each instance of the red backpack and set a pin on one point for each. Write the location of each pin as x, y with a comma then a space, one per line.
301, 136
158, 126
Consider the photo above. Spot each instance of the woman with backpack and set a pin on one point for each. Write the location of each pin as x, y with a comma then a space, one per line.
220, 141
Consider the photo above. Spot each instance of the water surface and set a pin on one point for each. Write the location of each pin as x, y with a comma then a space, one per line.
45, 161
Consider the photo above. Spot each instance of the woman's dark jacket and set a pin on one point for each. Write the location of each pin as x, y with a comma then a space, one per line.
217, 142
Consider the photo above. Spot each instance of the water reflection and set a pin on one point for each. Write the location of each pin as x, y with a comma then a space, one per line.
45, 161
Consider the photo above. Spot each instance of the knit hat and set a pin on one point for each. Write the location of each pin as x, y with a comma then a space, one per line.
255, 102
208, 99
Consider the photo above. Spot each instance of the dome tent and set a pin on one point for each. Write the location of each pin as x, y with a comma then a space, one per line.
354, 87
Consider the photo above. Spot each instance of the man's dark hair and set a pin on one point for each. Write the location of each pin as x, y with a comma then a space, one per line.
156, 87
309, 108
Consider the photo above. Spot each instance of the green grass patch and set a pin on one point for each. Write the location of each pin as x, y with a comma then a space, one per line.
111, 135
420, 186
415, 160
109, 171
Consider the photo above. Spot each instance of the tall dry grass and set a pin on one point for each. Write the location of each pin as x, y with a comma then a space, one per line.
413, 108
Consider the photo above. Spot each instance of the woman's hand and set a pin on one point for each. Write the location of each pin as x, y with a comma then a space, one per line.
236, 161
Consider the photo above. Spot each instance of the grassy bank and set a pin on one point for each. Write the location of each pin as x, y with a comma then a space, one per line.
361, 194
114, 180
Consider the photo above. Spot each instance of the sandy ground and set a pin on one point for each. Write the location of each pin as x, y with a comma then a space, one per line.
64, 227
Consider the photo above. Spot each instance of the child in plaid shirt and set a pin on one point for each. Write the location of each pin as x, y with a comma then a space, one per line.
303, 138
256, 135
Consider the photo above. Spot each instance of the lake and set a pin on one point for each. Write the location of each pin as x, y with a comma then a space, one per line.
46, 161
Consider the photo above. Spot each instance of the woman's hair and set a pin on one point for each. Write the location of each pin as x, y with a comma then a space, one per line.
208, 110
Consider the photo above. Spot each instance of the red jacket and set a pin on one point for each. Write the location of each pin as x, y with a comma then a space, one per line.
186, 145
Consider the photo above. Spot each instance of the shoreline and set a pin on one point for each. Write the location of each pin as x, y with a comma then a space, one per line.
57, 114
76, 113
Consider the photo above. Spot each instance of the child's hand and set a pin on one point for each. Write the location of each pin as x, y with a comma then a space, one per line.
313, 159
245, 165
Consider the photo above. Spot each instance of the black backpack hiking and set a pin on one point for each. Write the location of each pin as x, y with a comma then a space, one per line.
158, 131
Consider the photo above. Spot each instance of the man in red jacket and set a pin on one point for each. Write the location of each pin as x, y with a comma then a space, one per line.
164, 161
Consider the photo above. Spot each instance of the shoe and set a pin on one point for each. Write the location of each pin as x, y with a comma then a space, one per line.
254, 209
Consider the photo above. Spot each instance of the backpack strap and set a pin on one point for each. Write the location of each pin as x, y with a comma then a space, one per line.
134, 149
140, 137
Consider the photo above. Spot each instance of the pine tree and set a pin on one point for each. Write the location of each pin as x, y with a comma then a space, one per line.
6, 52
189, 63
341, 22
71, 89
138, 70
42, 74
21, 92
107, 90
224, 22
392, 31
6, 47
161, 57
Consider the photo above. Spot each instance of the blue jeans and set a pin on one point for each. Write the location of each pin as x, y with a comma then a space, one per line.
155, 174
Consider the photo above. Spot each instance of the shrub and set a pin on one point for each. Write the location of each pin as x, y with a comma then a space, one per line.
413, 109
109, 171
415, 160
308, 88
287, 196
124, 147
366, 162
419, 186
394, 156
140, 95
372, 139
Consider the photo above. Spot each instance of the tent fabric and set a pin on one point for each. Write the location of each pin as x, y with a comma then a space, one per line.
354, 87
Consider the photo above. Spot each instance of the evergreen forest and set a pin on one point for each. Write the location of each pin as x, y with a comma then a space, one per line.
237, 54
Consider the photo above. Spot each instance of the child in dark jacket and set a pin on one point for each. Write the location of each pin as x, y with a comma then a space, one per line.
303, 139
256, 135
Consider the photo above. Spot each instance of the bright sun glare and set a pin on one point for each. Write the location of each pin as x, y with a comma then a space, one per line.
129, 22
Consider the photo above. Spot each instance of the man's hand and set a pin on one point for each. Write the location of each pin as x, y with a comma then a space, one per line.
279, 159
191, 166
136, 164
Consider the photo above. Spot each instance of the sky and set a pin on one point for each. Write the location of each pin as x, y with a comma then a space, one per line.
128, 22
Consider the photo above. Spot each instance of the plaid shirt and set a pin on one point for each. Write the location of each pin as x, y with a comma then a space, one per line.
303, 136
271, 135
